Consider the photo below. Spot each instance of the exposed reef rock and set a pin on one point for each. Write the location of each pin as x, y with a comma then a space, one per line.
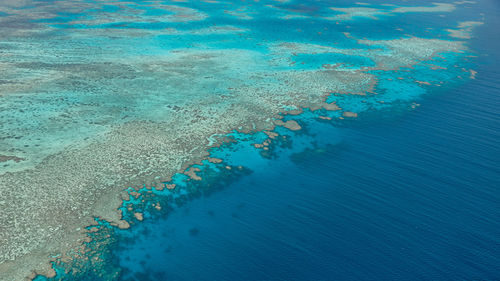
106, 100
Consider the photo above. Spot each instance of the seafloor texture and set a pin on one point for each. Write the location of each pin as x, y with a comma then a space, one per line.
96, 96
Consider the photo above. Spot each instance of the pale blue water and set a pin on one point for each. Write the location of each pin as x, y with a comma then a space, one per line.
392, 195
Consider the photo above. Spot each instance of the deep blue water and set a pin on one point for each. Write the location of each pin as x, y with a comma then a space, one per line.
405, 197
392, 195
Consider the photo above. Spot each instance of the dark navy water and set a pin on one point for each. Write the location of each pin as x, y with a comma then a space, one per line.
414, 196
395, 194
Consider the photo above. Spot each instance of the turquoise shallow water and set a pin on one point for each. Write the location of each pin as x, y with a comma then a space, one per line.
401, 192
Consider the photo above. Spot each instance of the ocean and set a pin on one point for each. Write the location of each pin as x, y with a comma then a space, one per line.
407, 196
402, 192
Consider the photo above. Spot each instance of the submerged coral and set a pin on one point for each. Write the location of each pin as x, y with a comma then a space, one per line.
99, 96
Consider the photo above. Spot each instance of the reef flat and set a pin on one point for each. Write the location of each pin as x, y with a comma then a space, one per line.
96, 96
